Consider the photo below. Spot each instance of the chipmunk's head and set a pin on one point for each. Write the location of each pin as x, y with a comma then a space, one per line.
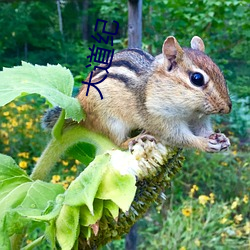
198, 76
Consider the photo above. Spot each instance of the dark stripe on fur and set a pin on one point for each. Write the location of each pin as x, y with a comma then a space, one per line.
126, 64
119, 77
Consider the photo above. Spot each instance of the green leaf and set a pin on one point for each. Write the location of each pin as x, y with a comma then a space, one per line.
67, 226
20, 197
14, 198
9, 168
86, 218
34, 243
58, 127
53, 82
112, 208
39, 194
83, 189
83, 152
4, 240
6, 186
14, 223
86, 231
50, 234
50, 213
118, 188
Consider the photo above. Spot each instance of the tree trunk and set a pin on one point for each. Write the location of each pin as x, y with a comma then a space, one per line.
134, 23
59, 16
85, 28
131, 238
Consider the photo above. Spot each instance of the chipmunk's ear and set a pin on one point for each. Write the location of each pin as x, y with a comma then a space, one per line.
172, 50
197, 43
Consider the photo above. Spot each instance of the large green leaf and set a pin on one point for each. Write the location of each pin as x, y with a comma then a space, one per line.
20, 197
83, 189
86, 218
118, 188
9, 168
83, 152
67, 226
53, 82
112, 208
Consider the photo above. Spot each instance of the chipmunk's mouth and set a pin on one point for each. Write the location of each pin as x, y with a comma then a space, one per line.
224, 108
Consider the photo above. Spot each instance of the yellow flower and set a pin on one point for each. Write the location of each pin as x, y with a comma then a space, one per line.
197, 242
14, 123
245, 199
187, 211
238, 218
29, 124
65, 163
203, 199
223, 220
211, 195
4, 134
77, 162
35, 159
193, 190
182, 248
55, 178
73, 168
235, 203
23, 164
6, 113
65, 185
234, 152
12, 105
225, 164
70, 178
23, 107
24, 154
6, 141
247, 227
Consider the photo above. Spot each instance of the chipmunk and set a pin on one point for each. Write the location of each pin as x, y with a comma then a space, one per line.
170, 96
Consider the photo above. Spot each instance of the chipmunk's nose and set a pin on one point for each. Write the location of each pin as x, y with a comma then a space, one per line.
227, 108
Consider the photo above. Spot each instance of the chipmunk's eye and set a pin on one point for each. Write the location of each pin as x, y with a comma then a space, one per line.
197, 79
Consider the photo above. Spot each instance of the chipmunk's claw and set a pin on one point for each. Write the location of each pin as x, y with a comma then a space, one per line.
218, 142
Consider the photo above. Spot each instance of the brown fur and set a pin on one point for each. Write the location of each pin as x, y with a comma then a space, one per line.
156, 95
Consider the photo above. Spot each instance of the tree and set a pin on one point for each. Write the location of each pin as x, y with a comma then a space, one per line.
135, 23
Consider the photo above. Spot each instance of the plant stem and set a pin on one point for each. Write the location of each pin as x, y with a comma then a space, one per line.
57, 147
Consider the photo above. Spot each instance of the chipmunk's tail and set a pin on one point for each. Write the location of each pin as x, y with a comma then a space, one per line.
50, 117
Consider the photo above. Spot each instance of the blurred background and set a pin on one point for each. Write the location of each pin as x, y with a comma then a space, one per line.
207, 206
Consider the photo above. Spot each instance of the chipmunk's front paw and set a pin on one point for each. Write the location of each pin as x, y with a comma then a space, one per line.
218, 142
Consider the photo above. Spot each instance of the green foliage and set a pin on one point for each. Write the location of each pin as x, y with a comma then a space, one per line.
52, 82
24, 199
19, 198
223, 25
198, 224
